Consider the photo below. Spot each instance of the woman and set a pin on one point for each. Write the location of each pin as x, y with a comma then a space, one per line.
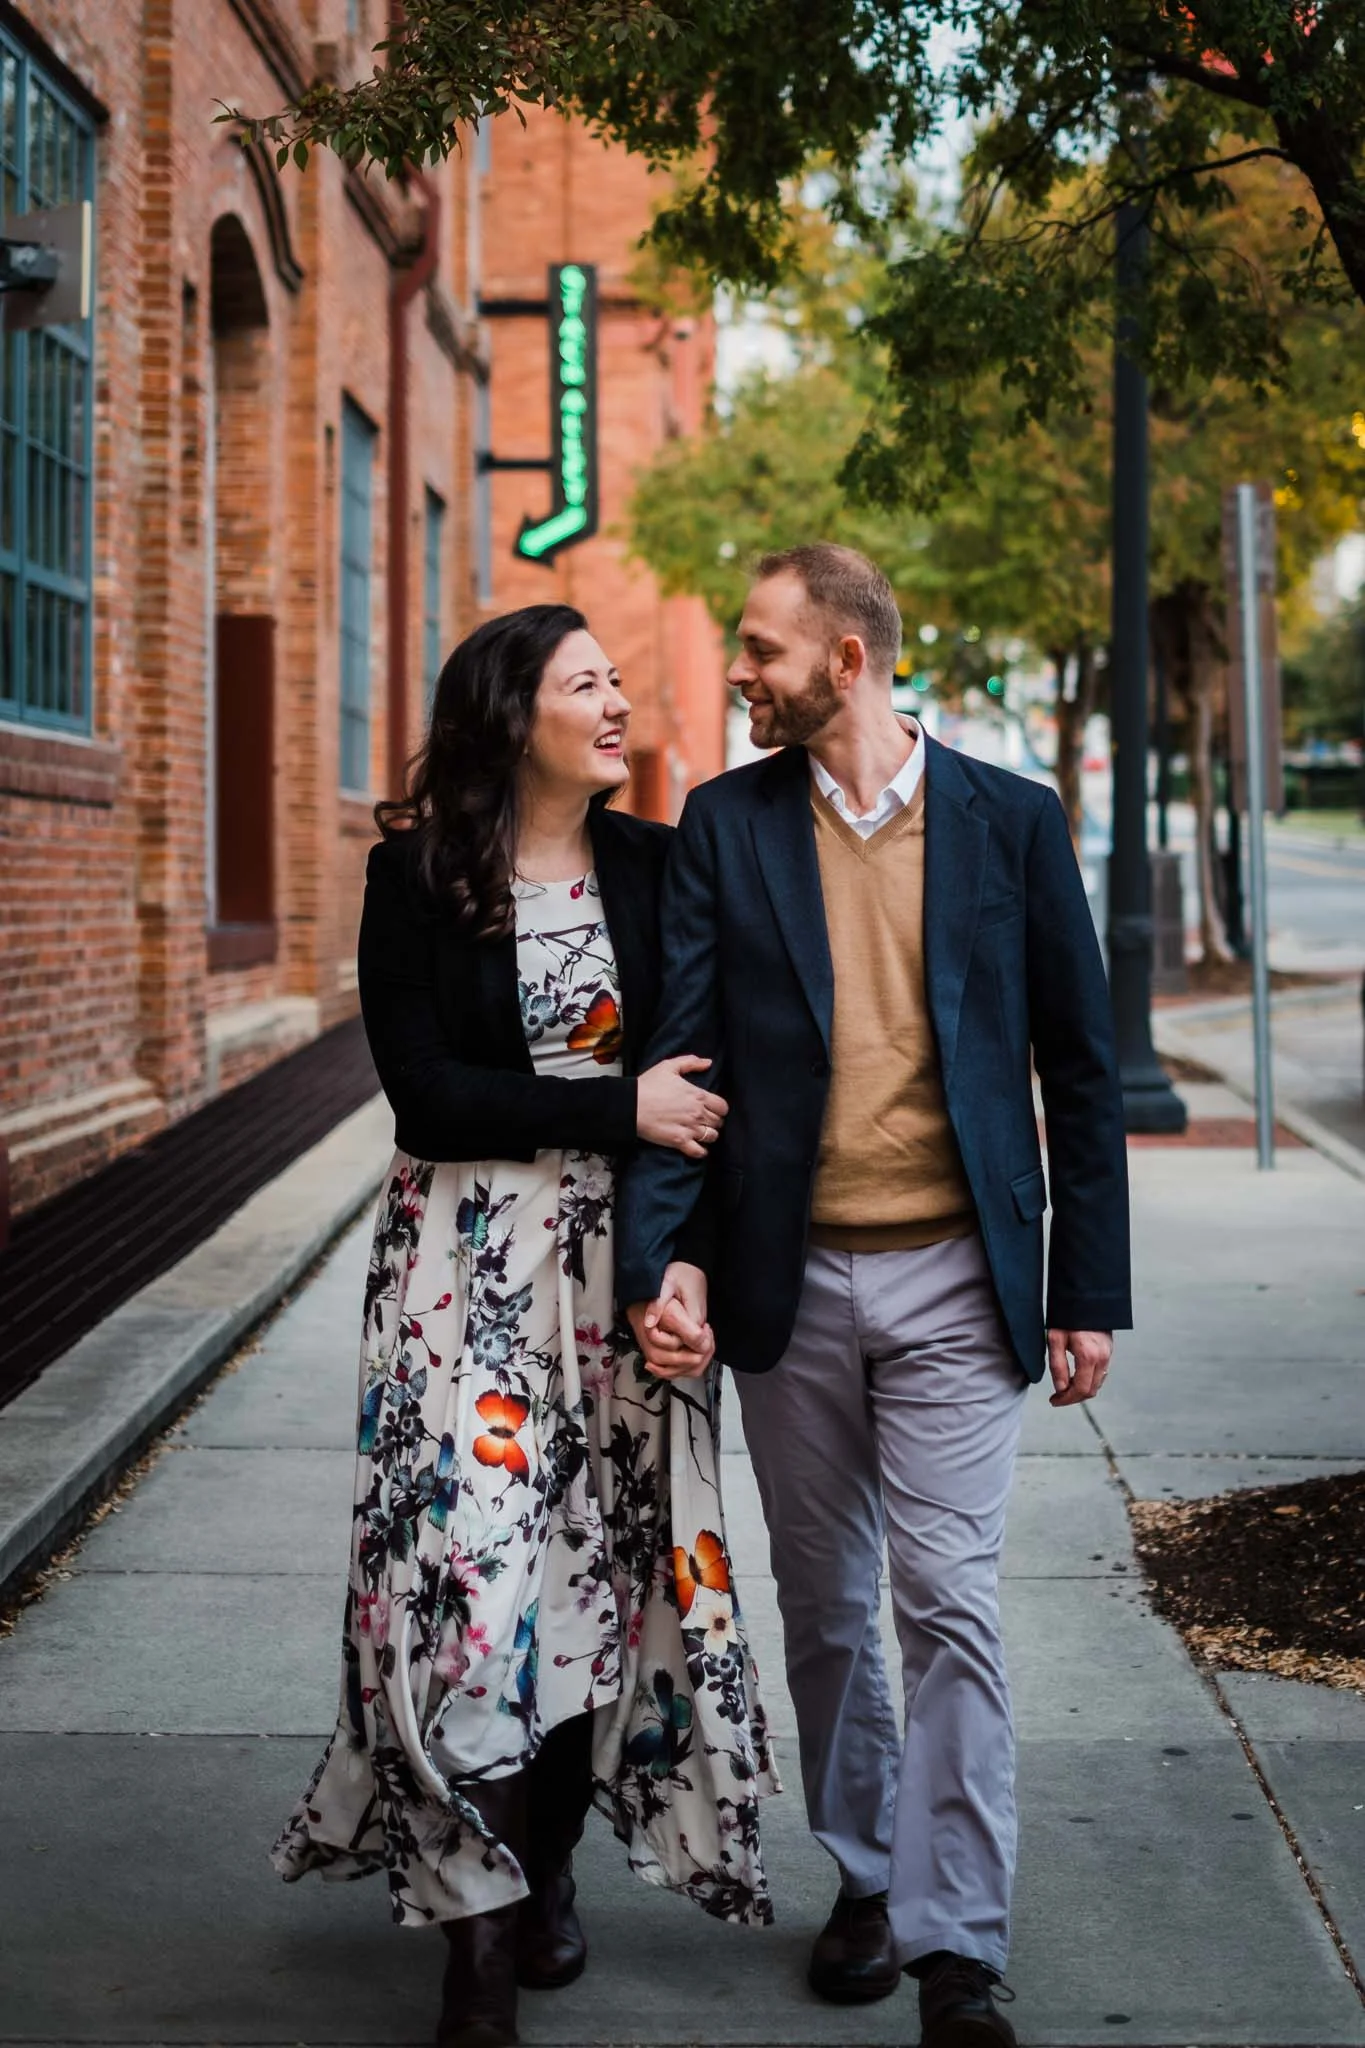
540, 1611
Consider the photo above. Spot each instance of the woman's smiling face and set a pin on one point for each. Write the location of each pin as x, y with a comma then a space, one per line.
578, 733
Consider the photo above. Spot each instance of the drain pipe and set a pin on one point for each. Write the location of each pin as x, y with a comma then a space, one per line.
404, 287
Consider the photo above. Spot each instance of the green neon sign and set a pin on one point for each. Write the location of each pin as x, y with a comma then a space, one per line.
573, 411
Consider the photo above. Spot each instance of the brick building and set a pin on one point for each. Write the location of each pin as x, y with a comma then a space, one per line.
241, 520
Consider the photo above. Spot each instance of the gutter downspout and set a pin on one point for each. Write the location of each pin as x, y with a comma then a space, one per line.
404, 288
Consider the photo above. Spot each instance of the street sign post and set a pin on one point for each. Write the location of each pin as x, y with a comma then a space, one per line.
1272, 722
1248, 610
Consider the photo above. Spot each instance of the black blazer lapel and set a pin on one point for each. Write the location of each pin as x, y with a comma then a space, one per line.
629, 887
955, 843
784, 841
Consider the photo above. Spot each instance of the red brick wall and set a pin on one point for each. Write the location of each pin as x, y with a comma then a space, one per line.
104, 870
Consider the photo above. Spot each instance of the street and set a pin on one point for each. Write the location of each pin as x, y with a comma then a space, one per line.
1316, 885
1316, 899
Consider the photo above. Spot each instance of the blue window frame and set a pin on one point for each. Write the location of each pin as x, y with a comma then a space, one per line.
432, 644
47, 158
358, 437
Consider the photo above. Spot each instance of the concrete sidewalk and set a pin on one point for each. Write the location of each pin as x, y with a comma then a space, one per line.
163, 1704
1317, 1040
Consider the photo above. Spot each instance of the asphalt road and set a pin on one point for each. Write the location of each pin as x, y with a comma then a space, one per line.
1316, 892
1316, 896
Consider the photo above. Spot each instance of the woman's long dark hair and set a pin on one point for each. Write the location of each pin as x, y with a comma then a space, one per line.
461, 789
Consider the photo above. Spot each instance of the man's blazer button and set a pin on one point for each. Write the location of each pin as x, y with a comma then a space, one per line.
819, 1068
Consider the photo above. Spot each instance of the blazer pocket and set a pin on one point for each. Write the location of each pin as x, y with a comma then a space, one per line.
730, 1189
1030, 1195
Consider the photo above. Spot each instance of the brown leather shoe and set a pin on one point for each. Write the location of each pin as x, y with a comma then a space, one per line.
853, 1960
957, 2006
551, 1948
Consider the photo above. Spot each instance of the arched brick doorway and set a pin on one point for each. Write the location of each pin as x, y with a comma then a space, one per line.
241, 825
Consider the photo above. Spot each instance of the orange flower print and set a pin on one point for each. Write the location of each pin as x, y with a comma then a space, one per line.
600, 1031
704, 1565
504, 1414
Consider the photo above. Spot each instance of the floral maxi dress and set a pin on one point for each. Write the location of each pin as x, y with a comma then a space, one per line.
538, 1527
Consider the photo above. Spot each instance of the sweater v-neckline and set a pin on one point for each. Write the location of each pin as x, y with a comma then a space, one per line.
894, 828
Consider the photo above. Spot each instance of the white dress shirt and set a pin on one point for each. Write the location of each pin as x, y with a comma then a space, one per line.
894, 798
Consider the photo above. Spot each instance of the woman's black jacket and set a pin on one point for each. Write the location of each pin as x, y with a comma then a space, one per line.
443, 1016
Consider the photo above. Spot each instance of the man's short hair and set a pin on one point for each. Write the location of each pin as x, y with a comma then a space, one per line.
849, 591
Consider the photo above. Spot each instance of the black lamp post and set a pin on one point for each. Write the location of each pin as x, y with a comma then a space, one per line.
1149, 1101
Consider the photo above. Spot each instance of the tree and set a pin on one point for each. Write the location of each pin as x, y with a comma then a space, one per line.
1205, 437
1324, 678
1084, 104
1021, 547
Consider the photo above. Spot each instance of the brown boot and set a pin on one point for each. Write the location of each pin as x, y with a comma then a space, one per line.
551, 1950
479, 1992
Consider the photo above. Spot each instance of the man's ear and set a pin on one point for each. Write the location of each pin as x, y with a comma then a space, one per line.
848, 661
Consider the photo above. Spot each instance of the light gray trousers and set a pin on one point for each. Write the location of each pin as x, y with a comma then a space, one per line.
895, 1413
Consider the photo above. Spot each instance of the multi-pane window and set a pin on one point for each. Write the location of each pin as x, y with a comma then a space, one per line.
46, 159
357, 506
432, 654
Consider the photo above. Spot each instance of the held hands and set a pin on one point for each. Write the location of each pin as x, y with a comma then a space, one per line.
1081, 1377
671, 1110
672, 1332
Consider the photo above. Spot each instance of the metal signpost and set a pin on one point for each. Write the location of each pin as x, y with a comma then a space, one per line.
1249, 606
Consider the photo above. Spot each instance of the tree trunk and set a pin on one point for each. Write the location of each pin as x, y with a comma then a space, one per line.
1181, 620
1074, 707
1203, 663
1325, 157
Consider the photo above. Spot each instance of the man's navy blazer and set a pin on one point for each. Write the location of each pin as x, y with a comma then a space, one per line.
1012, 968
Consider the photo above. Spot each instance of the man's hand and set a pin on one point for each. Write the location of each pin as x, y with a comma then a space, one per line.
1080, 1377
672, 1332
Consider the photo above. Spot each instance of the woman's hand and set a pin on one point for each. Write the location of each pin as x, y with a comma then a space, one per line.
672, 1332
671, 1110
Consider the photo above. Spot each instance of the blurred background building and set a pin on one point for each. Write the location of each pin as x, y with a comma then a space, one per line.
243, 517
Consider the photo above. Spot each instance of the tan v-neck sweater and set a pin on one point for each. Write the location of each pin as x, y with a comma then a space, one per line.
889, 1176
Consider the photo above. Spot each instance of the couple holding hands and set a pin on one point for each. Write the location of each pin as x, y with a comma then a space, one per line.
755, 1093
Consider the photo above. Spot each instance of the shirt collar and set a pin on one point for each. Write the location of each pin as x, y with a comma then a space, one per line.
898, 792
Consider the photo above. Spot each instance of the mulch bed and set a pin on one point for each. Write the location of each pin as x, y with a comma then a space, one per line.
1271, 1579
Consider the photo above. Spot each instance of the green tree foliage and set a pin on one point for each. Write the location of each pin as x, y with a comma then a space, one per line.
1021, 547
1324, 679
1081, 105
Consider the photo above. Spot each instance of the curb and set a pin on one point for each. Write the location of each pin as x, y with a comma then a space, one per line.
65, 1439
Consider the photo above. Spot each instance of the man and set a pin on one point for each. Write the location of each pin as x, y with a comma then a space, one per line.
869, 934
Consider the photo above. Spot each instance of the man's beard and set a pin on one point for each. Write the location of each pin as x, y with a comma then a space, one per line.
799, 718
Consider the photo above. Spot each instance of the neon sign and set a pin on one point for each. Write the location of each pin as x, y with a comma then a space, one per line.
573, 411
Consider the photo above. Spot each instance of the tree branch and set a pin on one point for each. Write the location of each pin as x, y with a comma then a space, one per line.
1167, 65
1151, 186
